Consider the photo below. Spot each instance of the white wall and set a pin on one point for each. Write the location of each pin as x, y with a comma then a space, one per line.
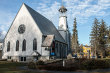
62, 23
31, 32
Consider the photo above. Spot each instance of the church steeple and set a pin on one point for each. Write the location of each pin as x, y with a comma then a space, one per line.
63, 26
63, 19
62, 9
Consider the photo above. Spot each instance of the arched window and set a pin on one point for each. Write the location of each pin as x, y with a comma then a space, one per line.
61, 51
34, 44
24, 45
8, 46
17, 45
56, 47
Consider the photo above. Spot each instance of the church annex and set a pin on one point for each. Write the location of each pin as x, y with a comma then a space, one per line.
31, 36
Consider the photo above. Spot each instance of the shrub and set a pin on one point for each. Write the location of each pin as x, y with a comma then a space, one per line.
3, 59
31, 65
108, 56
40, 62
96, 64
56, 68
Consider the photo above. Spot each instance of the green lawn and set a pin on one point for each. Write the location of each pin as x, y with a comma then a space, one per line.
14, 67
10, 67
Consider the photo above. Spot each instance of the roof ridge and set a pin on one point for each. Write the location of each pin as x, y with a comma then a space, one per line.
35, 11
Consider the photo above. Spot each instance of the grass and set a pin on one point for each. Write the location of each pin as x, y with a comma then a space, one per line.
14, 67
73, 65
10, 67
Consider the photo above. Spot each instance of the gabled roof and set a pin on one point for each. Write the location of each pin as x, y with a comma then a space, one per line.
48, 41
36, 53
45, 25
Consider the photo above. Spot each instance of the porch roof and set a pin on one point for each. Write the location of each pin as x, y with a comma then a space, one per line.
48, 41
35, 53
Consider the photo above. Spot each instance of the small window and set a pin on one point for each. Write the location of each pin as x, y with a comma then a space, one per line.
24, 45
22, 59
17, 45
47, 49
8, 46
57, 47
9, 57
60, 50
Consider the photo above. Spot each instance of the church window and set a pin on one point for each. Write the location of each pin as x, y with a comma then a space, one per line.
22, 59
46, 48
57, 47
34, 44
61, 51
21, 29
9, 57
8, 46
17, 45
53, 49
24, 45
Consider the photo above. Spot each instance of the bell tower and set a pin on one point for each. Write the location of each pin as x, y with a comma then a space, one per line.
63, 26
63, 19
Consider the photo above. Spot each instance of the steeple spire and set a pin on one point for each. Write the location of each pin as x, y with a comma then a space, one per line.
62, 8
63, 25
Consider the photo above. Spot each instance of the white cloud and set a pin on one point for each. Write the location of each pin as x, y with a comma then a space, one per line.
6, 17
5, 21
82, 9
3, 33
50, 12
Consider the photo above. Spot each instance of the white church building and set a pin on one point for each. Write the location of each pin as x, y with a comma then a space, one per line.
32, 36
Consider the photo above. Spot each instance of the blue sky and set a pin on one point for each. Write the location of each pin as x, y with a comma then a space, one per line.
84, 10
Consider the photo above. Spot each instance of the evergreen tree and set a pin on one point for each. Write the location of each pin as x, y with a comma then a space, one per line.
108, 43
102, 39
108, 37
74, 42
94, 37
81, 50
